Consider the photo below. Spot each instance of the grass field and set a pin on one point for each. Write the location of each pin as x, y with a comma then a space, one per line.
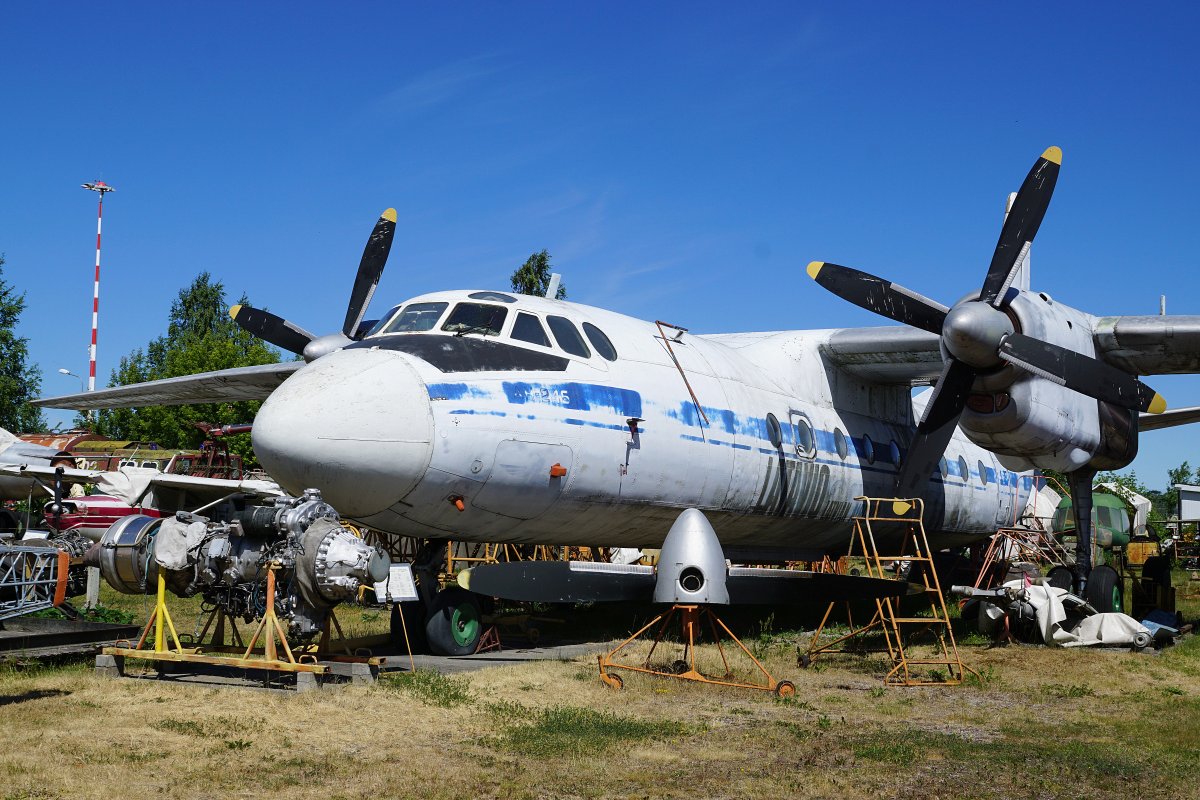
1043, 722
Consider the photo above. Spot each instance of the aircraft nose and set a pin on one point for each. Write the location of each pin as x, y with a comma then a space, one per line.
355, 424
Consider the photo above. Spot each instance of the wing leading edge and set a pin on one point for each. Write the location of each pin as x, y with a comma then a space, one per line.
222, 386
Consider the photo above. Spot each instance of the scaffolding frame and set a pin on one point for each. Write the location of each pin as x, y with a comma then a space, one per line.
889, 517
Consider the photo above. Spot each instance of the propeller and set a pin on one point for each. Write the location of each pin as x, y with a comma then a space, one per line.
294, 339
978, 336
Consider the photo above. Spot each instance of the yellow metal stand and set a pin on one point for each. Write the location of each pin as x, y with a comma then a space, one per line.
899, 521
685, 668
269, 631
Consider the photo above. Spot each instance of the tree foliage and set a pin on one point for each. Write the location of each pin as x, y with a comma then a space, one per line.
533, 277
20, 381
200, 337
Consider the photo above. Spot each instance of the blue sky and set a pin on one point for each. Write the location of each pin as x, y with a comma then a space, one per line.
682, 161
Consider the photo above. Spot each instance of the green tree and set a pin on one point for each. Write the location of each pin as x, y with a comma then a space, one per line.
20, 381
200, 337
533, 277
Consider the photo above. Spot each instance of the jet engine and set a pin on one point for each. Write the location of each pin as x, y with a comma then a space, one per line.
225, 558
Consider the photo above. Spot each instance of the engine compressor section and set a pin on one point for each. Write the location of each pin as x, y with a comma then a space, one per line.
225, 558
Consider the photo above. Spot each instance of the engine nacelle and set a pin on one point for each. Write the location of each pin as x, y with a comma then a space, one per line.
320, 562
1028, 420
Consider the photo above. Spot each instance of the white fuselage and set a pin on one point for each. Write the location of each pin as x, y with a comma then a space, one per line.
540, 445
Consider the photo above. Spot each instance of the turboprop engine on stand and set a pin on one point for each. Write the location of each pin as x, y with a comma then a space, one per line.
319, 561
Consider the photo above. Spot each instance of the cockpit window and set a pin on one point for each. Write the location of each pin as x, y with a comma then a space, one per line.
599, 341
567, 336
416, 318
528, 329
475, 318
378, 326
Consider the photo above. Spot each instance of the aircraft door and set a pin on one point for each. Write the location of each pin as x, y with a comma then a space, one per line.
526, 479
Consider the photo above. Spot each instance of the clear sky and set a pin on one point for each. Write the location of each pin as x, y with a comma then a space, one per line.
681, 161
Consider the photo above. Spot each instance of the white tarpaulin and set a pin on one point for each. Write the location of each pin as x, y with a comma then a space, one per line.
1110, 630
175, 540
129, 484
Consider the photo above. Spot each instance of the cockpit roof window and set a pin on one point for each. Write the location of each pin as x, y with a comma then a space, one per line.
599, 341
496, 297
378, 326
528, 329
416, 318
567, 336
475, 318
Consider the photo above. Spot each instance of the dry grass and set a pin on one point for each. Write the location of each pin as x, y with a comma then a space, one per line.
1044, 722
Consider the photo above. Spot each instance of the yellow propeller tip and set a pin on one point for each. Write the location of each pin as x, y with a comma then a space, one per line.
1053, 154
233, 311
464, 579
814, 267
389, 215
1158, 405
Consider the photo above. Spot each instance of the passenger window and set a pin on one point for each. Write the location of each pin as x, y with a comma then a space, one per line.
839, 442
528, 329
476, 318
599, 341
868, 449
805, 442
567, 336
416, 318
963, 470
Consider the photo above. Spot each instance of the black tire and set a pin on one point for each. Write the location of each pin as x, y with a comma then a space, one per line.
1104, 590
1061, 578
455, 624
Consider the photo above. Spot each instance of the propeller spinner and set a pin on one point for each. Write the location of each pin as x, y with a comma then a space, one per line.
293, 338
979, 337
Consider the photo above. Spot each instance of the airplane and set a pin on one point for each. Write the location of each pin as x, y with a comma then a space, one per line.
490, 416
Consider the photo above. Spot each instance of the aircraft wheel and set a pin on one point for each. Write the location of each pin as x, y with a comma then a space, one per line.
1104, 589
613, 681
803, 660
679, 667
785, 689
455, 623
1061, 578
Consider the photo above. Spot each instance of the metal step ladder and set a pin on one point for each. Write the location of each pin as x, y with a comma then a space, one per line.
898, 524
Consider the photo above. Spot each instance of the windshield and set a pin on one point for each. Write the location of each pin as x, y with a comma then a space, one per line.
416, 318
476, 318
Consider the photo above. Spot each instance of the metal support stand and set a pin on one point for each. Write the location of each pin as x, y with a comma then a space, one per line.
685, 668
899, 520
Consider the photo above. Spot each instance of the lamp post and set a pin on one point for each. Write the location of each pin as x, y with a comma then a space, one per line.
65, 371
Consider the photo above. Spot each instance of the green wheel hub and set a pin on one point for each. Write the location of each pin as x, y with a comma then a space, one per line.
465, 624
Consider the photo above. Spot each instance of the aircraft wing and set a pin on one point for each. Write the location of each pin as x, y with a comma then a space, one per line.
222, 386
1159, 345
1169, 419
133, 484
893, 355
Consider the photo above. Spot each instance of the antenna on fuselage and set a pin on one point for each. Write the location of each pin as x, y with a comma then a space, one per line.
552, 289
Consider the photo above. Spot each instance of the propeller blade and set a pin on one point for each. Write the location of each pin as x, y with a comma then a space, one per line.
561, 581
936, 428
885, 298
1084, 374
370, 269
1024, 219
270, 328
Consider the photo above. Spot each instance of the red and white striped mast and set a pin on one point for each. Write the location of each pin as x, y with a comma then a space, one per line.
101, 188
